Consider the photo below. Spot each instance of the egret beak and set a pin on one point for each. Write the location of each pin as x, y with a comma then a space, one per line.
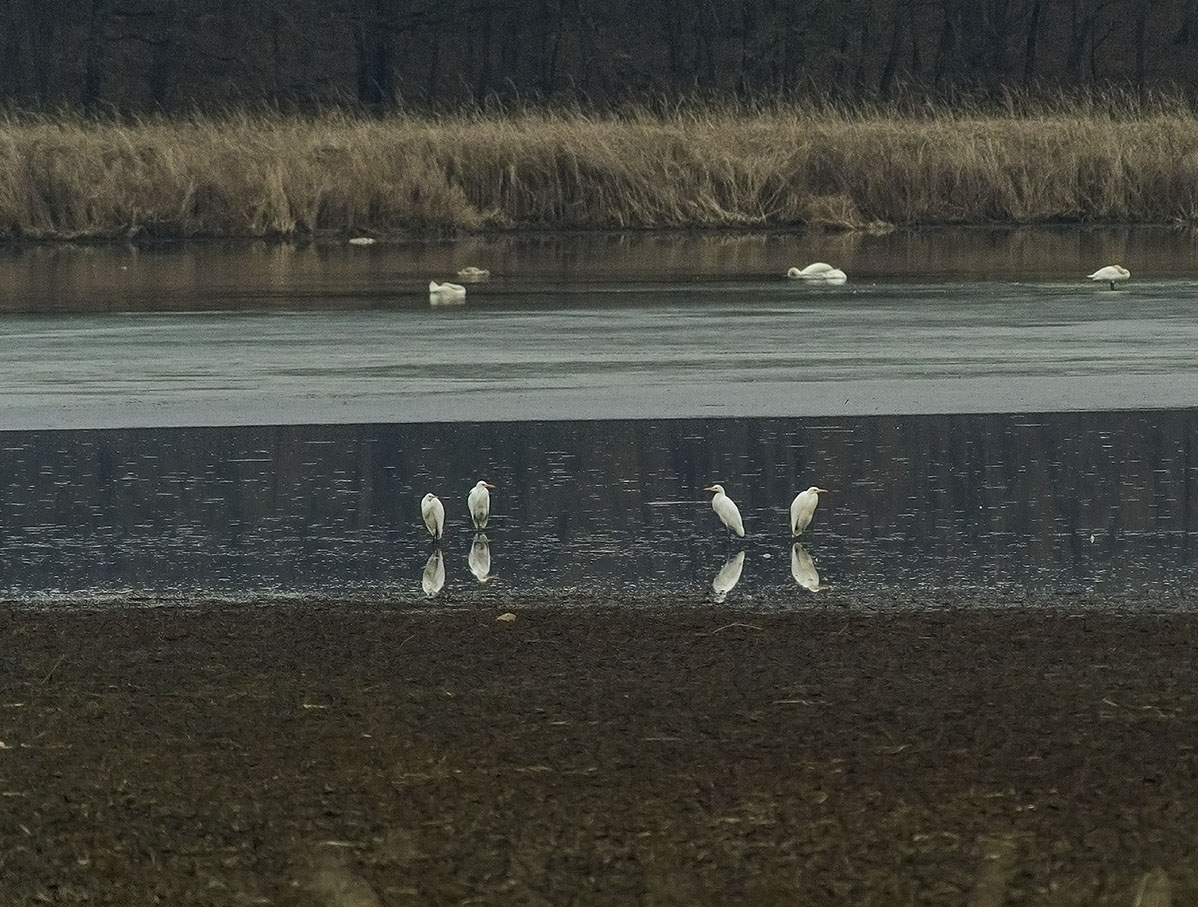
709, 488
821, 491
488, 485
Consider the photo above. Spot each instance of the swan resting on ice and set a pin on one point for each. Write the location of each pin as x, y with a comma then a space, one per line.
1110, 274
819, 271
445, 293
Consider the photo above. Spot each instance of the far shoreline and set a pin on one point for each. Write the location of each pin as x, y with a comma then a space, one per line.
338, 237
333, 239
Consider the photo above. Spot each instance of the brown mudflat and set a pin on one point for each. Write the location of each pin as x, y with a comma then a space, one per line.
329, 755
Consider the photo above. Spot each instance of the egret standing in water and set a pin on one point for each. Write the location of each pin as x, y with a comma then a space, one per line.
726, 510
479, 501
802, 509
433, 514
1110, 274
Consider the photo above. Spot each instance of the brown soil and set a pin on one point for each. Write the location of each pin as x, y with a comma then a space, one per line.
335, 756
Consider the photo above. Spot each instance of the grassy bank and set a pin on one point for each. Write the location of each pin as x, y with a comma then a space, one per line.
273, 176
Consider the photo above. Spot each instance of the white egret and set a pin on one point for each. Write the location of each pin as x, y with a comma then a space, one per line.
728, 576
479, 558
433, 578
473, 273
802, 508
1110, 274
362, 241
479, 501
726, 510
433, 513
445, 293
802, 568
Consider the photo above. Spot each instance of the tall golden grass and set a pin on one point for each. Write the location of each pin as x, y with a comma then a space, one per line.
268, 175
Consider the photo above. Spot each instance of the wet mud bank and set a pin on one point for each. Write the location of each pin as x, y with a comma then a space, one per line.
333, 755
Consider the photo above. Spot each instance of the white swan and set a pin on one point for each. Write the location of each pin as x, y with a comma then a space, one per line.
813, 271
473, 273
445, 293
820, 272
1110, 274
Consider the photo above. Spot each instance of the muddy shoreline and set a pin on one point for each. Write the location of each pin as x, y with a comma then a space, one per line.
335, 754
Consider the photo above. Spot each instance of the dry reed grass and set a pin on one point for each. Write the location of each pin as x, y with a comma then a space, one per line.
261, 175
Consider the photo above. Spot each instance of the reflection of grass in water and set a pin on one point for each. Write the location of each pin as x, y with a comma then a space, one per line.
259, 175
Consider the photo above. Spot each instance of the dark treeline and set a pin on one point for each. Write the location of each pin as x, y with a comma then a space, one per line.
139, 55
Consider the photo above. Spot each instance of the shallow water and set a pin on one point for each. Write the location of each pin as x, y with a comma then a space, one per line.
1013, 506
262, 420
596, 327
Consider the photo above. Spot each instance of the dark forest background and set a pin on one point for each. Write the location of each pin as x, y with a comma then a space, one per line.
140, 55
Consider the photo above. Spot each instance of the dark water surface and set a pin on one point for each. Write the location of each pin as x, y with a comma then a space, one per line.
1011, 505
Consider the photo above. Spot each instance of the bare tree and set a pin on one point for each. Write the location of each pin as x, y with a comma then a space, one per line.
1188, 30
897, 29
1031, 42
374, 51
1083, 16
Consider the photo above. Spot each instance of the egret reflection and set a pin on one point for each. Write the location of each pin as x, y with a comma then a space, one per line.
802, 568
479, 558
433, 578
725, 581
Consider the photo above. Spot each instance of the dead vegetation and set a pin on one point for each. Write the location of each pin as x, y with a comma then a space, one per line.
274, 176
